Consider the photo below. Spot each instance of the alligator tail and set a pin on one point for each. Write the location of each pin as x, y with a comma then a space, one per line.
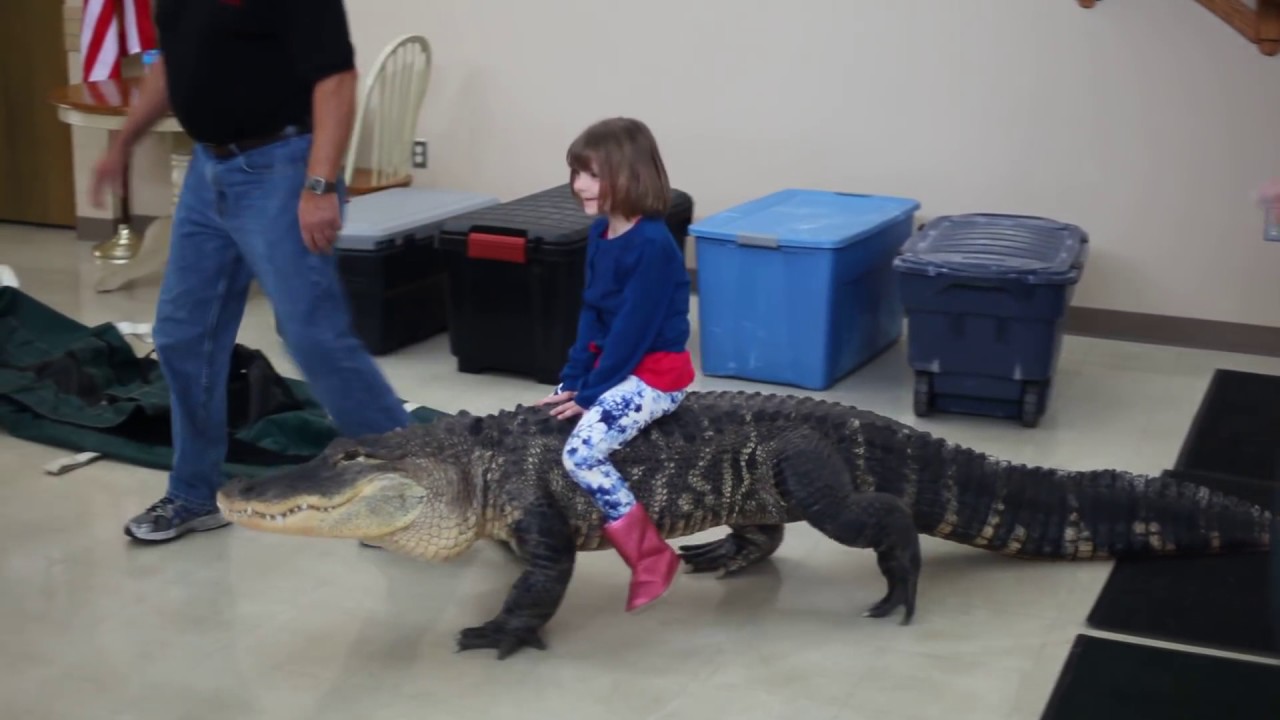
967, 497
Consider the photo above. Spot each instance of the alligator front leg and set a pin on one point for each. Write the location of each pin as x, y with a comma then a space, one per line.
546, 545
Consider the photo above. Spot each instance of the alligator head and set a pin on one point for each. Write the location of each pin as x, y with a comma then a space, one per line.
368, 489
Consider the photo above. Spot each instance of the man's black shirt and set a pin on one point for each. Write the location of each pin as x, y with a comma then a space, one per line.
244, 69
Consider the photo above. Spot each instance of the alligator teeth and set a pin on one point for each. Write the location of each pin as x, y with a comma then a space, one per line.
277, 517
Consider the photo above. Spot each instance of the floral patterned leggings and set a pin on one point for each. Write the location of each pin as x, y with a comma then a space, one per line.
619, 415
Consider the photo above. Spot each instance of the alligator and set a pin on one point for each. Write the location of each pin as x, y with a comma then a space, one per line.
750, 461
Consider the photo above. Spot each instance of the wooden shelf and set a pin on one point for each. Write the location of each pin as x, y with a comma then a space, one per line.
1260, 26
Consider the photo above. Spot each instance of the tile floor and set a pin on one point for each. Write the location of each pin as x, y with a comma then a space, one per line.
234, 624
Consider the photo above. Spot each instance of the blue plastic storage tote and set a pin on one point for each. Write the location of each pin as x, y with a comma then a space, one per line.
797, 287
986, 296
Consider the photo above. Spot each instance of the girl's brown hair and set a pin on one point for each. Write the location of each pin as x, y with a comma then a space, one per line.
623, 153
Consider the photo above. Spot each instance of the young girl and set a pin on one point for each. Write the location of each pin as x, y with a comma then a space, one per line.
629, 365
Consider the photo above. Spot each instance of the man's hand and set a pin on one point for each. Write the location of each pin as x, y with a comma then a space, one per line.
321, 219
108, 172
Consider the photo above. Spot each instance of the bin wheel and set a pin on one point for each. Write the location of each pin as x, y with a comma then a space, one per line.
1032, 404
923, 400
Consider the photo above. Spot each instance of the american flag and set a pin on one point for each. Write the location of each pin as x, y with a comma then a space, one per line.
106, 27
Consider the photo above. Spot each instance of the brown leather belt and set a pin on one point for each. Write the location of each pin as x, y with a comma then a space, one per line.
230, 150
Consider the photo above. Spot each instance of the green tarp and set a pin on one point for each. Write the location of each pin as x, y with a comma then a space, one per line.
84, 388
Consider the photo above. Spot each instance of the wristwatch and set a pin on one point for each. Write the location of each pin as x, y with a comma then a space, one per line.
320, 186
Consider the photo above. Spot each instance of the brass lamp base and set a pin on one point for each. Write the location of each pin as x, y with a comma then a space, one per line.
121, 248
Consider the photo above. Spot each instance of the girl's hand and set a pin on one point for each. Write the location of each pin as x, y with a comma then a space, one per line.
557, 398
567, 410
565, 407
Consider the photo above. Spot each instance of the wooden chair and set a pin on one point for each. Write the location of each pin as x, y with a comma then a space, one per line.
393, 99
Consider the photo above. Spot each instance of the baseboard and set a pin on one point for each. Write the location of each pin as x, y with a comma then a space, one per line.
1152, 329
98, 229
1174, 331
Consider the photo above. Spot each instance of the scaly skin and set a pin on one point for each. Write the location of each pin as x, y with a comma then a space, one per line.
750, 461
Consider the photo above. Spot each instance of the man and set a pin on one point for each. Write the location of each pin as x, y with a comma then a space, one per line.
266, 89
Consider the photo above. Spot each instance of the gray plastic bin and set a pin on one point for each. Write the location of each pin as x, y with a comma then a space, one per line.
396, 216
396, 283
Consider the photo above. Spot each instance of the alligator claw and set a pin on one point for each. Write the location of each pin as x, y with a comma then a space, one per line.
495, 636
895, 599
737, 551
709, 556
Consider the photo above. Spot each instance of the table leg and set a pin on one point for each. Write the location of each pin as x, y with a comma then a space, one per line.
154, 250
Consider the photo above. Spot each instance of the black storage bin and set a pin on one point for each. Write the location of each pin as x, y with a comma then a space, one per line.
398, 297
516, 272
395, 280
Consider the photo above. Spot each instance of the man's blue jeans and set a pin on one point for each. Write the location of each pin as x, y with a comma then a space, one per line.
237, 219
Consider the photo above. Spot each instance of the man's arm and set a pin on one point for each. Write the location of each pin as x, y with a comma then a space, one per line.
333, 114
320, 43
333, 110
152, 104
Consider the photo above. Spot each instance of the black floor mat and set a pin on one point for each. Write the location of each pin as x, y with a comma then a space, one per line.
1236, 431
1232, 602
1104, 679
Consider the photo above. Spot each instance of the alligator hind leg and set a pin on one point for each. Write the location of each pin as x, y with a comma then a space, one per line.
745, 546
814, 480
902, 572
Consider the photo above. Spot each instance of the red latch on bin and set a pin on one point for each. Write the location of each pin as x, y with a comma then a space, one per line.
504, 248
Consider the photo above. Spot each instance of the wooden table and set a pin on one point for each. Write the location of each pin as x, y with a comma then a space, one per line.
104, 105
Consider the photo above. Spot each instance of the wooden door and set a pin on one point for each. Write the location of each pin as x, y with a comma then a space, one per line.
37, 182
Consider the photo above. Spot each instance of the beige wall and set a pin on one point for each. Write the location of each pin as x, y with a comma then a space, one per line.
1148, 122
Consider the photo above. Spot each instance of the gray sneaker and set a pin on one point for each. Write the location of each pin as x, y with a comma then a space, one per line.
168, 519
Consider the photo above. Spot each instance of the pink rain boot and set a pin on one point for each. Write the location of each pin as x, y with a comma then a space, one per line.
652, 561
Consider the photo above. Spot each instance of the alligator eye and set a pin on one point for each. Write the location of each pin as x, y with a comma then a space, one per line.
350, 456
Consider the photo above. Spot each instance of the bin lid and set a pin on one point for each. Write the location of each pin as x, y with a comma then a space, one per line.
551, 218
995, 246
805, 218
395, 211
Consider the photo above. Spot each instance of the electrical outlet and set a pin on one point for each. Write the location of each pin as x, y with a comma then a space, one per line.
420, 153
